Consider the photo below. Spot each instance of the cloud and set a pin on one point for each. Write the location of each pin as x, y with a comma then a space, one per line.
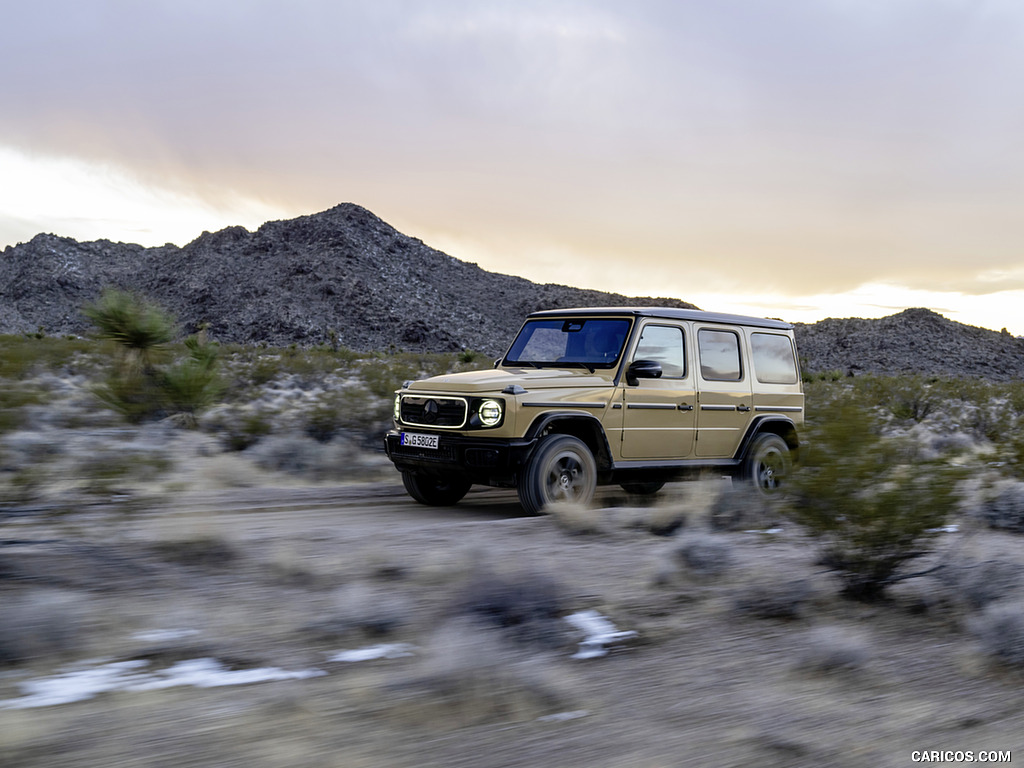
805, 148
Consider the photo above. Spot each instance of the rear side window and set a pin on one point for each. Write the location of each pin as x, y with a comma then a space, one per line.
663, 343
774, 361
719, 355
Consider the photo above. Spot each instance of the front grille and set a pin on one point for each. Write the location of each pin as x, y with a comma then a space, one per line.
420, 411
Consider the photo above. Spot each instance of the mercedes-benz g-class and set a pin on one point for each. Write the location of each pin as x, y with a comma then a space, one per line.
585, 397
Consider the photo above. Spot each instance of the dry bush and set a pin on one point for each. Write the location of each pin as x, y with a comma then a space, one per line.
467, 676
833, 649
526, 606
1000, 632
665, 519
783, 599
702, 556
977, 584
740, 507
309, 459
362, 613
194, 541
1002, 506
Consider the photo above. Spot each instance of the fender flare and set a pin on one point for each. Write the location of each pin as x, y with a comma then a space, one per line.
590, 431
779, 425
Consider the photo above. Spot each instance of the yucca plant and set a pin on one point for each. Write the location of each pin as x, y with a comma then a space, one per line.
138, 327
138, 387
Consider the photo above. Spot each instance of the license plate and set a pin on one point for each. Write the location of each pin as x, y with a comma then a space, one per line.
416, 440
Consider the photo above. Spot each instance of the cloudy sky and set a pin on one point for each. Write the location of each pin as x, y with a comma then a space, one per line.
796, 158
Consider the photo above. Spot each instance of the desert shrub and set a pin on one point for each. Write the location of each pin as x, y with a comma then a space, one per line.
202, 550
353, 412
739, 507
106, 471
1000, 632
1010, 455
239, 429
774, 599
977, 585
1002, 506
527, 606
704, 556
304, 457
909, 397
832, 649
809, 376
193, 383
665, 519
872, 502
21, 357
23, 485
12, 400
468, 676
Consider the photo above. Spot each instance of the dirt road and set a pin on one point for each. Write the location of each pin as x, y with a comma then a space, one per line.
472, 601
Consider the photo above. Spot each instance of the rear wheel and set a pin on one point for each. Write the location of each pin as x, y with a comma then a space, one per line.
435, 490
768, 463
561, 469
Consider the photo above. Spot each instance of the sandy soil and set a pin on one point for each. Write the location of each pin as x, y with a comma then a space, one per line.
751, 659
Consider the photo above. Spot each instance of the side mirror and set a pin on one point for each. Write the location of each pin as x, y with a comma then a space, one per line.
642, 369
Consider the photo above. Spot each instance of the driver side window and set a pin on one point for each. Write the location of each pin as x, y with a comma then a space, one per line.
663, 343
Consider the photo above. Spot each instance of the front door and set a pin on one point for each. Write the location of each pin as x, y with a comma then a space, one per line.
658, 422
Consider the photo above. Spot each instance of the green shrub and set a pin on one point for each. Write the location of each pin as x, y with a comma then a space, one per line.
193, 383
872, 502
12, 400
139, 327
137, 387
910, 397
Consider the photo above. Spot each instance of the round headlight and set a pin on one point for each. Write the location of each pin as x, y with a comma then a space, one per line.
489, 412
397, 410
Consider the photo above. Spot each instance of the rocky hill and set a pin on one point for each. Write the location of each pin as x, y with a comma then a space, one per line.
344, 275
913, 341
341, 274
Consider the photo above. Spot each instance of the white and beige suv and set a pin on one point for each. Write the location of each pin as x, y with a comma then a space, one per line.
587, 397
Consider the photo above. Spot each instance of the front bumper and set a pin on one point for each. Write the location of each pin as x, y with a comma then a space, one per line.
486, 461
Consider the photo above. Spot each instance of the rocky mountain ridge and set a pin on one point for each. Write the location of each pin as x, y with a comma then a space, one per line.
345, 276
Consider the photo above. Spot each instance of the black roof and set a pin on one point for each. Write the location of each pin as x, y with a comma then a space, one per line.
669, 313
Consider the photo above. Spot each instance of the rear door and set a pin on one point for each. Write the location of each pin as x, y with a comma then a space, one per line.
658, 422
724, 405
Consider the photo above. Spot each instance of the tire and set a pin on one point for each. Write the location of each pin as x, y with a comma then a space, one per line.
642, 489
562, 468
435, 491
768, 464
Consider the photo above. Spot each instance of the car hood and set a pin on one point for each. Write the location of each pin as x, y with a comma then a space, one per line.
495, 380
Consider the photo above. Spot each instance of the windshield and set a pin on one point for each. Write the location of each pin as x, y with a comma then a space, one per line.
588, 342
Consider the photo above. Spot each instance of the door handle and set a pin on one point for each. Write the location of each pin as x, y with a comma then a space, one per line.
742, 407
685, 407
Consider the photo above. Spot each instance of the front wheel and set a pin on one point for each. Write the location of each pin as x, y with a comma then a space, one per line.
561, 469
768, 463
435, 491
